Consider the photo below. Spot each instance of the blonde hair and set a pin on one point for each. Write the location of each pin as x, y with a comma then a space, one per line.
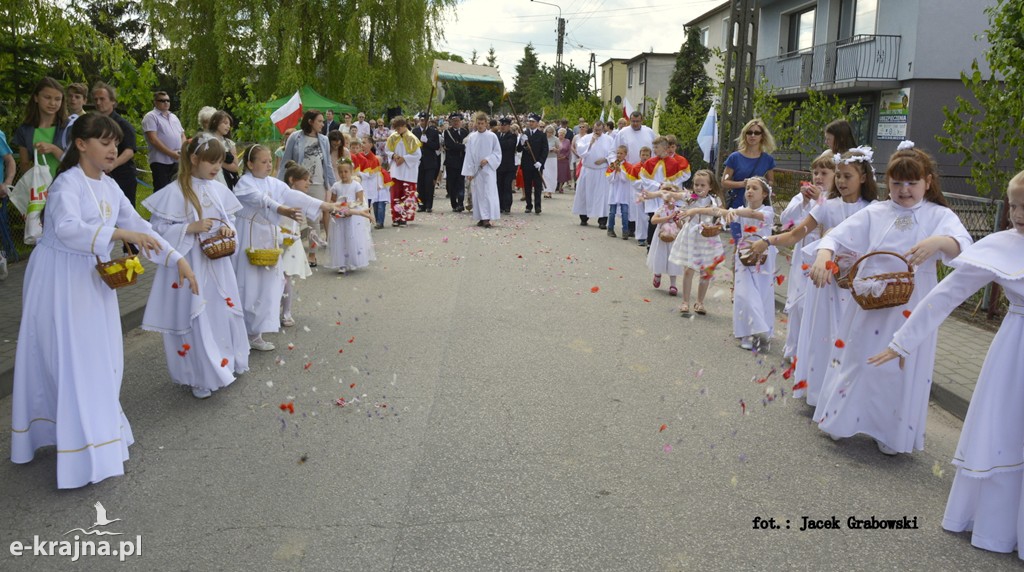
1017, 182
824, 161
767, 141
716, 186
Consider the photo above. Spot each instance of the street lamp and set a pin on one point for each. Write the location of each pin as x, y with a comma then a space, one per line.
558, 56
490, 106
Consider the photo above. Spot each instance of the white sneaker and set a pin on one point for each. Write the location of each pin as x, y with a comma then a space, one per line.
287, 321
747, 342
200, 393
261, 345
884, 449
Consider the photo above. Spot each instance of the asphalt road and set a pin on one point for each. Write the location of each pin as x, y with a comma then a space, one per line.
518, 398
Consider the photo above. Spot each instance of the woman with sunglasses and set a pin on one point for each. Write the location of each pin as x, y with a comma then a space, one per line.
751, 159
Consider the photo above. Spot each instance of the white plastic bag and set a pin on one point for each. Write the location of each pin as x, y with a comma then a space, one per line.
29, 197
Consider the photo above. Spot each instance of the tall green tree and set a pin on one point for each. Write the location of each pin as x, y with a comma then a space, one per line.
689, 77
988, 130
526, 94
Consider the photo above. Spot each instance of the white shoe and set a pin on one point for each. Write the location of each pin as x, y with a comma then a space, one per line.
287, 320
200, 393
747, 342
884, 449
342, 270
261, 345
833, 437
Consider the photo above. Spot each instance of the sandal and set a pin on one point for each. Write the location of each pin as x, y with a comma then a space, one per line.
699, 308
684, 309
672, 290
657, 281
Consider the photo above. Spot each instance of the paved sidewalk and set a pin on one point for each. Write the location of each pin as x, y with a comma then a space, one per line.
131, 298
961, 351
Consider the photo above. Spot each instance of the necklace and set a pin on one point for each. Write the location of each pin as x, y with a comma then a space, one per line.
102, 207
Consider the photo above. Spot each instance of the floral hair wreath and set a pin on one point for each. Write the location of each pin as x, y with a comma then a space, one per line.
863, 154
764, 182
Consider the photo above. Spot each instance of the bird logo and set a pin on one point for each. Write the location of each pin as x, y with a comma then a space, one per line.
101, 520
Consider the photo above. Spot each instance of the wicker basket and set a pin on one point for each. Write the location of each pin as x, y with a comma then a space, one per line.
748, 258
710, 230
218, 246
263, 256
898, 289
116, 273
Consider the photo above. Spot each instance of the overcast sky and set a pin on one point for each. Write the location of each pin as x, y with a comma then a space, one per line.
608, 28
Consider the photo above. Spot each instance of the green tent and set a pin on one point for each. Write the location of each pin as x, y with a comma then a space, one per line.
311, 100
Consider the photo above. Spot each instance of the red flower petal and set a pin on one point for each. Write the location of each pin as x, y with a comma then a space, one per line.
308, 365
804, 267
352, 339
351, 386
182, 353
647, 300
662, 428
750, 229
802, 384
780, 279
174, 285
341, 351
224, 362
832, 266
906, 313
595, 290
840, 344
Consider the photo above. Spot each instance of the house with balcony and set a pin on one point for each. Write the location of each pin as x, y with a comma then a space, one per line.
613, 81
714, 27
901, 59
647, 76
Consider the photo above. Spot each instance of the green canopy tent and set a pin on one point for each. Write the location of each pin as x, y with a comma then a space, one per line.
310, 100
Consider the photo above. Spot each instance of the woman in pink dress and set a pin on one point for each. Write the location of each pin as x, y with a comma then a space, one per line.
564, 146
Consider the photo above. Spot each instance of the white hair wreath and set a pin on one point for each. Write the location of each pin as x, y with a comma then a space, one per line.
907, 144
857, 154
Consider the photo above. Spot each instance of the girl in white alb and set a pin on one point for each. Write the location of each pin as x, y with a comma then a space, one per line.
204, 336
349, 243
887, 403
753, 310
70, 354
986, 494
266, 201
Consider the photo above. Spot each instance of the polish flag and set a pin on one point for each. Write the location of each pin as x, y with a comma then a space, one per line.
627, 109
288, 115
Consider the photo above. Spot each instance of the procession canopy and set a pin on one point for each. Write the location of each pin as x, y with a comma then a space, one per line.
313, 100
484, 76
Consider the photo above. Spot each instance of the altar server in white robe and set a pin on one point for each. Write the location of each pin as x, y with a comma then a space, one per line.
70, 355
593, 188
887, 403
204, 336
265, 200
483, 155
986, 494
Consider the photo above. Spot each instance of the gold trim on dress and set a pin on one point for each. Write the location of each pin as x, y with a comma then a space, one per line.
986, 470
90, 445
92, 247
25, 430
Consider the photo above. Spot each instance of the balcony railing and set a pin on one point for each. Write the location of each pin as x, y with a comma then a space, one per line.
861, 58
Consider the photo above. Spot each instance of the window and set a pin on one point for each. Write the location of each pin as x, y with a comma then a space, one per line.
643, 72
864, 17
705, 36
725, 34
801, 31
629, 77
857, 18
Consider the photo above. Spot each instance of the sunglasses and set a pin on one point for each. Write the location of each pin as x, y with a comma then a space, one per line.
163, 101
754, 132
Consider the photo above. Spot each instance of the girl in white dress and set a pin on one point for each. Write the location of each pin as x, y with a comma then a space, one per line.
986, 494
204, 336
349, 243
853, 188
666, 220
293, 259
266, 201
753, 310
70, 355
887, 403
693, 251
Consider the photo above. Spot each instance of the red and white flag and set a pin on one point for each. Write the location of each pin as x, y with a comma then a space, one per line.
288, 115
627, 109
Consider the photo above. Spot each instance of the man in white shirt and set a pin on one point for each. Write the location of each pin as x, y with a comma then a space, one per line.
362, 127
165, 137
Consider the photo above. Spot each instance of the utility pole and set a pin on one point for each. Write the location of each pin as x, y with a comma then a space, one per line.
558, 58
738, 87
593, 69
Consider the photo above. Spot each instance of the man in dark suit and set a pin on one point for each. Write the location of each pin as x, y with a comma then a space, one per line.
533, 144
329, 123
454, 155
430, 161
507, 169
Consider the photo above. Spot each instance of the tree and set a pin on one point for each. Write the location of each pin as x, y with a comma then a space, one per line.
492, 58
989, 130
473, 58
689, 78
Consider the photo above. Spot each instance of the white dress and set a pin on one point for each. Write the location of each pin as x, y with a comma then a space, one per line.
70, 354
753, 310
822, 307
261, 287
210, 324
349, 244
484, 186
551, 166
592, 188
657, 257
293, 260
986, 493
884, 402
792, 215
691, 249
